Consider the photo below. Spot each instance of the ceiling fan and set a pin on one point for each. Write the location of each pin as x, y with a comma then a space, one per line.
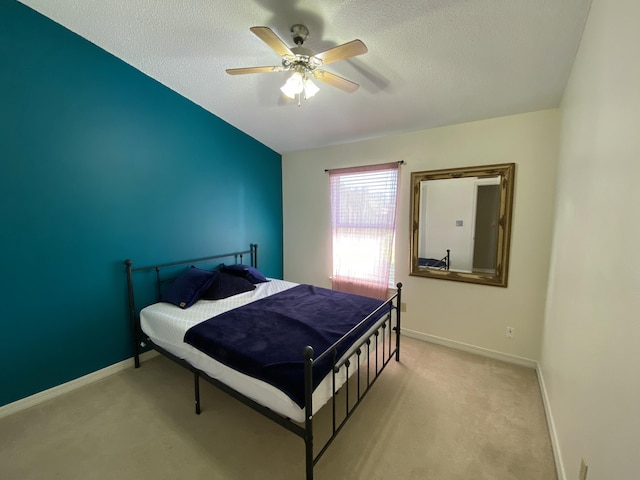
304, 63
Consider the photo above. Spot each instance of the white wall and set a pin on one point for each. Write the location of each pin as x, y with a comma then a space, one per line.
590, 361
461, 312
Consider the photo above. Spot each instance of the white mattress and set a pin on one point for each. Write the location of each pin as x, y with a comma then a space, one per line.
166, 325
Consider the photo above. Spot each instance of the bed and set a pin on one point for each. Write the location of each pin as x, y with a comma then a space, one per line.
436, 263
336, 345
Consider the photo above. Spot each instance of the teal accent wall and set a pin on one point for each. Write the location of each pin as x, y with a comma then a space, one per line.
100, 163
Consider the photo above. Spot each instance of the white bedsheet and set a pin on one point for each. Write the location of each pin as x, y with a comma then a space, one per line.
166, 325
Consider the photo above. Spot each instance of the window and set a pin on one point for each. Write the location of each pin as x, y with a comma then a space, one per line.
363, 220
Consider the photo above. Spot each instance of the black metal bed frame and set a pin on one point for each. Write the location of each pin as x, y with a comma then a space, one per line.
447, 260
385, 328
443, 264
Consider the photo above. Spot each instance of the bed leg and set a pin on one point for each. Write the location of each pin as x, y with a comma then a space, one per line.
196, 384
309, 458
398, 311
308, 421
132, 314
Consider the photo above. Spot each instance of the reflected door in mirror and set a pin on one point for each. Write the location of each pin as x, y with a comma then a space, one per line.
485, 243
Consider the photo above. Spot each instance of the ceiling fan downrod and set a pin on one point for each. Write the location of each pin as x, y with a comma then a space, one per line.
299, 33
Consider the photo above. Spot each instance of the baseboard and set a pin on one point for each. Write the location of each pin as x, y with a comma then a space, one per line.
54, 392
555, 444
485, 352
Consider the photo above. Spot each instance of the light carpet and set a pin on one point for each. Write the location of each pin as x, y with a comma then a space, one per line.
439, 414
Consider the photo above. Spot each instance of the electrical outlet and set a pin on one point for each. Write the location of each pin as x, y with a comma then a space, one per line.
510, 332
403, 307
583, 470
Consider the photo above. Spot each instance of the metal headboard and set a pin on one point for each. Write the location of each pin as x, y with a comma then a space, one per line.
130, 269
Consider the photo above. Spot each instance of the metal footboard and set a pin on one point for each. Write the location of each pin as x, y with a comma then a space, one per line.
382, 338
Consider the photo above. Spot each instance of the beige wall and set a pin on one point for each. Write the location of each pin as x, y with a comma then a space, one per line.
469, 314
590, 360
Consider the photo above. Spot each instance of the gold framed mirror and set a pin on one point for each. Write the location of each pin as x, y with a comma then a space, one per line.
461, 223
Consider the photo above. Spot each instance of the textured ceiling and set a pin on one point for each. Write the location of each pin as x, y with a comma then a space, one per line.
430, 62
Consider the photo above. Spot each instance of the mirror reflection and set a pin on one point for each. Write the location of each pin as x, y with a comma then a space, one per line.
461, 223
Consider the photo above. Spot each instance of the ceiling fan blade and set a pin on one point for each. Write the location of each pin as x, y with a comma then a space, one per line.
267, 36
341, 52
335, 81
244, 71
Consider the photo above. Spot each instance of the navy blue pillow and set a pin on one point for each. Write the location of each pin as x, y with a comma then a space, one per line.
225, 285
188, 287
245, 271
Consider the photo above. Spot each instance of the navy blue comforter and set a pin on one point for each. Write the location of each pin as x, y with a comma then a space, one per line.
266, 338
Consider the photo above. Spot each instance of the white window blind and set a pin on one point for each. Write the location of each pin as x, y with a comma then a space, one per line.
363, 221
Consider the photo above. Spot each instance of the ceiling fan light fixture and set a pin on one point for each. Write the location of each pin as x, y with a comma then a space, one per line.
293, 86
310, 88
298, 83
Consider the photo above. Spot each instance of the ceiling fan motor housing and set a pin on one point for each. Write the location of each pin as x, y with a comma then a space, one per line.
303, 58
